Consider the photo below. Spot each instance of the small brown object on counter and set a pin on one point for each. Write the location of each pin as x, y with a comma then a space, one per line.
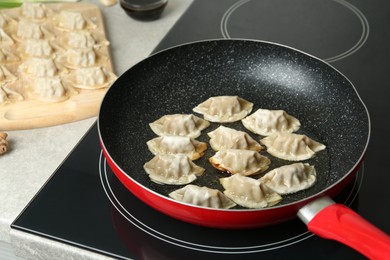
3, 143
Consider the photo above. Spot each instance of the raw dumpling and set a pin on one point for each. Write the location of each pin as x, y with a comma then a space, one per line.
176, 169
38, 67
179, 124
70, 21
6, 75
3, 96
7, 56
91, 78
79, 39
290, 178
228, 138
49, 89
266, 122
34, 11
9, 94
38, 48
202, 196
78, 58
177, 144
292, 147
248, 192
28, 30
244, 162
5, 39
224, 109
5, 20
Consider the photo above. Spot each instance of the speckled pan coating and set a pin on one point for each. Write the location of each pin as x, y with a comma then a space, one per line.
269, 75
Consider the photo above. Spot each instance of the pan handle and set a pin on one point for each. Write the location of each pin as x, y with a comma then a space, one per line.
334, 221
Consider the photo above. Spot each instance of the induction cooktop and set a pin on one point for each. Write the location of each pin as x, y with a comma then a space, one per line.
83, 204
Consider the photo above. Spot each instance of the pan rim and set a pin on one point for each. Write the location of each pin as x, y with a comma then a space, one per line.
290, 204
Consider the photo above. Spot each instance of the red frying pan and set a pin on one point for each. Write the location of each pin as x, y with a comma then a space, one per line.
270, 76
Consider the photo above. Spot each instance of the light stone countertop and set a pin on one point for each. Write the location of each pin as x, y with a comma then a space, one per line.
35, 154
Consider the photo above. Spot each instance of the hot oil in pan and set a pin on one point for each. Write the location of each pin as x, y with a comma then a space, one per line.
211, 176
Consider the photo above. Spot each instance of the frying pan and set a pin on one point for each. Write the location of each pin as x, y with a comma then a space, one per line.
271, 76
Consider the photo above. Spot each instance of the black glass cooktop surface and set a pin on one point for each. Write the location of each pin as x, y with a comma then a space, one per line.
84, 204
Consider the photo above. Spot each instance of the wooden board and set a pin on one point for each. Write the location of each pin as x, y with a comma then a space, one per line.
80, 103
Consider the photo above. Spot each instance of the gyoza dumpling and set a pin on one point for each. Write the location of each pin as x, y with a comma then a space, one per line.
38, 48
7, 56
78, 39
6, 75
177, 144
48, 89
179, 124
248, 192
6, 21
202, 196
224, 109
3, 20
5, 39
38, 67
91, 77
28, 30
292, 147
290, 178
34, 11
8, 94
228, 138
244, 162
78, 58
176, 169
266, 122
70, 21
3, 96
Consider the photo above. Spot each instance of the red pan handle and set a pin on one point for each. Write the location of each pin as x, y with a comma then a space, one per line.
334, 221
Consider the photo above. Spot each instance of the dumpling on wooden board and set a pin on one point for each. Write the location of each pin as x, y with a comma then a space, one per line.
29, 30
34, 11
292, 147
229, 138
236, 161
77, 39
9, 95
265, 122
5, 39
202, 196
79, 58
179, 124
223, 109
40, 48
3, 20
174, 169
91, 78
290, 178
177, 144
38, 67
6, 22
5, 75
69, 20
3, 96
48, 89
7, 56
249, 192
